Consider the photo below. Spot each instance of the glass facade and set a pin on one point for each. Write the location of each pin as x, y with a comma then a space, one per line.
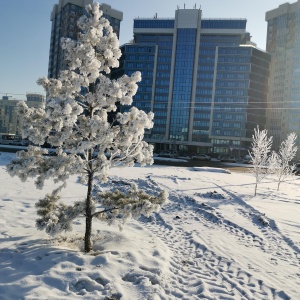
153, 23
161, 53
226, 24
283, 42
199, 73
138, 58
240, 96
182, 84
205, 75
64, 24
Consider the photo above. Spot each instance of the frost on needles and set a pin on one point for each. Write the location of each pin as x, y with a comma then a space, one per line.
75, 122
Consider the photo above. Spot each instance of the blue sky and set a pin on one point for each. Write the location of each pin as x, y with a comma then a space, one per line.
25, 28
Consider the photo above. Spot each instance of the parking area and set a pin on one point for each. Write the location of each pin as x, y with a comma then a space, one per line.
233, 167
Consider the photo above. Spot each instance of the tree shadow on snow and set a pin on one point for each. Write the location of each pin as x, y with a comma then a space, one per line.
32, 258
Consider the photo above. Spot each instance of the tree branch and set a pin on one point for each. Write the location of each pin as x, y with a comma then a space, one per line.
104, 211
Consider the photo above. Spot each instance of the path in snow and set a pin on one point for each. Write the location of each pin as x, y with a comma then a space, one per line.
197, 272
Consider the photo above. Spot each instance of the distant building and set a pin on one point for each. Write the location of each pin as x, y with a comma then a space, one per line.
9, 121
283, 42
202, 78
64, 24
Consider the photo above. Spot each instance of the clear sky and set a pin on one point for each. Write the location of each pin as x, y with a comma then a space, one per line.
25, 28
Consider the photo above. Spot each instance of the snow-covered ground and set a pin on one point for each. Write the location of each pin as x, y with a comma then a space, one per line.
212, 240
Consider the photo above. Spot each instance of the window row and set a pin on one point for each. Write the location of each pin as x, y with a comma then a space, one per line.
159, 105
140, 96
165, 51
240, 84
239, 51
177, 121
231, 92
160, 113
229, 108
140, 57
229, 116
224, 67
200, 132
164, 59
147, 89
142, 104
161, 98
160, 121
153, 23
226, 75
162, 82
228, 24
201, 116
182, 88
205, 83
201, 123
157, 37
162, 90
138, 65
234, 59
163, 74
163, 67
226, 132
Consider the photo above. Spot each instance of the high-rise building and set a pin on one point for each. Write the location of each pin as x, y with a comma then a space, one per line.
199, 79
283, 43
64, 18
240, 88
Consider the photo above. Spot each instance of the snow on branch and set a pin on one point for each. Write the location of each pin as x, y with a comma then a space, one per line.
122, 205
280, 163
76, 122
259, 153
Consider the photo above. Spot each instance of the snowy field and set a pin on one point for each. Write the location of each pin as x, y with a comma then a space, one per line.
212, 240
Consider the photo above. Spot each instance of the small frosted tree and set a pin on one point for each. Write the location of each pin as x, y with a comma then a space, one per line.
280, 164
259, 153
75, 122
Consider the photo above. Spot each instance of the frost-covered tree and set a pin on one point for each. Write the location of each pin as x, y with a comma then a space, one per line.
259, 153
75, 123
280, 164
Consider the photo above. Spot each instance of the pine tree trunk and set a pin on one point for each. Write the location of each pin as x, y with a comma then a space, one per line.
88, 209
88, 215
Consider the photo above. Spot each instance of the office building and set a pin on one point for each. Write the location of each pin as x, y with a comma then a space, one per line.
198, 78
9, 121
64, 18
283, 42
239, 99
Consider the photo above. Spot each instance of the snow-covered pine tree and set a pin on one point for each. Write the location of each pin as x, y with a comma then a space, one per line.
76, 125
280, 164
259, 153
